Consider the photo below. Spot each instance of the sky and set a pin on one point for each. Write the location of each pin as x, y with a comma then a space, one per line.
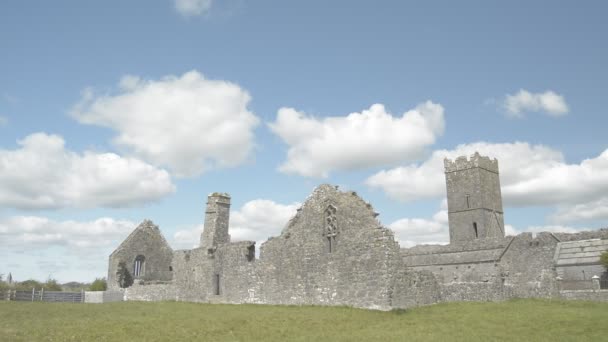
116, 111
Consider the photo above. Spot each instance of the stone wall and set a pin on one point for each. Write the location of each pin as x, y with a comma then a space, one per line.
596, 296
334, 251
103, 296
298, 267
151, 292
147, 241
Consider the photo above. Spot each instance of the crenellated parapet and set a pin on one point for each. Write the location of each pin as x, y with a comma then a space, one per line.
476, 160
217, 198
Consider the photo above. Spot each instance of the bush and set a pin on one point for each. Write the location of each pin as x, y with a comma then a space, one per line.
3, 284
51, 285
99, 284
604, 259
27, 285
123, 275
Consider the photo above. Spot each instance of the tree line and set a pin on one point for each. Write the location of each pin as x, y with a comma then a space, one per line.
99, 284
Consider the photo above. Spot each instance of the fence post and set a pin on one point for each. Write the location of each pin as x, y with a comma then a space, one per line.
42, 294
33, 292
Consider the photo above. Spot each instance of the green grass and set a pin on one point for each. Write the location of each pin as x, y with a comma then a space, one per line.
518, 320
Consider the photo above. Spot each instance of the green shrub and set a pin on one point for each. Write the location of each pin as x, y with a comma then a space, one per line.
51, 285
99, 284
604, 259
28, 285
123, 275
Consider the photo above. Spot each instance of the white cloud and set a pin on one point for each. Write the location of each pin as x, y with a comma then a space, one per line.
417, 231
510, 230
359, 140
39, 247
188, 123
30, 231
523, 101
256, 220
192, 7
42, 174
529, 175
595, 210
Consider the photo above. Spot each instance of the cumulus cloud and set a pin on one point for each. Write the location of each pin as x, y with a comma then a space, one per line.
511, 230
594, 210
192, 7
371, 138
529, 175
68, 250
42, 174
256, 220
523, 101
35, 232
187, 123
418, 231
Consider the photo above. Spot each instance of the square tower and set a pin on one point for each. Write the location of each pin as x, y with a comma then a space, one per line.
474, 199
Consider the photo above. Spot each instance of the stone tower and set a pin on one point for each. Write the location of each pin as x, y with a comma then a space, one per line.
474, 199
217, 216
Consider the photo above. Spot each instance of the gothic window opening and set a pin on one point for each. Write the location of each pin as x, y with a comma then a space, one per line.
331, 228
251, 253
139, 266
216, 284
475, 230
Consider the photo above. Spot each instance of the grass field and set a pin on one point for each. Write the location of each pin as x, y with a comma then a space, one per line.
518, 320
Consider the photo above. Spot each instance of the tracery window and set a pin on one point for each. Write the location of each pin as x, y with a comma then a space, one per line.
139, 266
331, 228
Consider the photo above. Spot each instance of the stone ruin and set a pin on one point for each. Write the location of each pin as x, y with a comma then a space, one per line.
334, 251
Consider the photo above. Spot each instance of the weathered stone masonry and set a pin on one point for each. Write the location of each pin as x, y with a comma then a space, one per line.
334, 251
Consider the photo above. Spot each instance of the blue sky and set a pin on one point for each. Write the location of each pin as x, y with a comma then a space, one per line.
113, 112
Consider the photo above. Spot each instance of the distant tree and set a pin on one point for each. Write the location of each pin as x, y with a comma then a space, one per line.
3, 285
123, 275
51, 285
28, 285
99, 284
604, 259
74, 286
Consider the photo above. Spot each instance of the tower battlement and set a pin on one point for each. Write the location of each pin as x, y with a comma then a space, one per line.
476, 160
217, 198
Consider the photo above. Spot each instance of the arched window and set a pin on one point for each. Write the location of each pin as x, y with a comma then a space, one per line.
139, 266
475, 230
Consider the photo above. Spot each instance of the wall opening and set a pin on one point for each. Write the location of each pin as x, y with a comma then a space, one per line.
139, 266
468, 201
251, 253
216, 284
475, 230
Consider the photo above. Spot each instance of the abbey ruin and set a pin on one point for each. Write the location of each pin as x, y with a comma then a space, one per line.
334, 251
